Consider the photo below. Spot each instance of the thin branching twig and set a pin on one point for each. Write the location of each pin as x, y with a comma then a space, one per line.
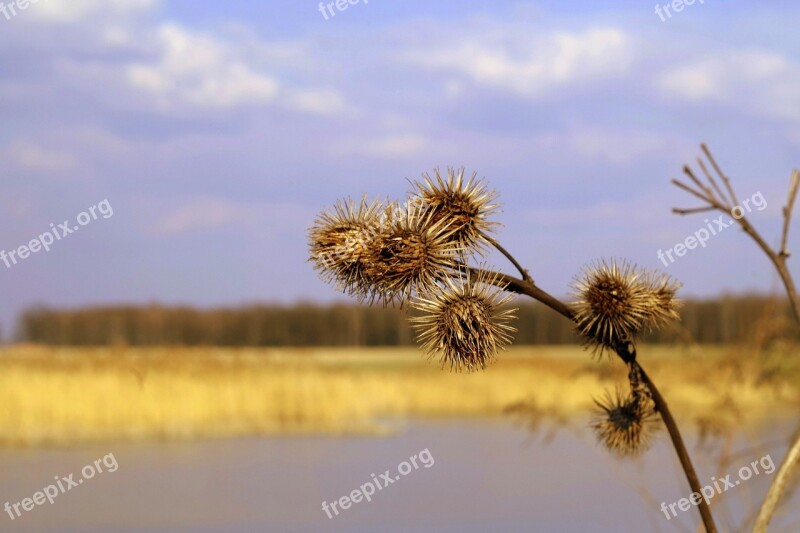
778, 258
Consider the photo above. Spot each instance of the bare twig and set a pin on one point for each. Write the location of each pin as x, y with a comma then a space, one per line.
694, 192
722, 176
787, 211
778, 259
688, 171
713, 182
693, 210
777, 488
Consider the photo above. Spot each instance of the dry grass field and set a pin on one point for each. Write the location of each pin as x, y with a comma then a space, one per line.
63, 396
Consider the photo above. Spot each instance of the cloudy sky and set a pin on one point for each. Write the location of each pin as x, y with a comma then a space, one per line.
216, 131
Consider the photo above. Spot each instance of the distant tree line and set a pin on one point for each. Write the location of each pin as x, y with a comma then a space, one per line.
756, 319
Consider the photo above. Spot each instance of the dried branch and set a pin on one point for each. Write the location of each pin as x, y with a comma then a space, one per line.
778, 259
777, 488
713, 182
525, 288
787, 211
709, 193
693, 192
719, 172
627, 353
413, 256
525, 275
792, 459
693, 210
680, 449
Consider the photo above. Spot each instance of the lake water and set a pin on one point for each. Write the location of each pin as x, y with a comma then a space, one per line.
486, 476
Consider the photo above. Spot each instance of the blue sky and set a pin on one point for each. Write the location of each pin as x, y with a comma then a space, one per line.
217, 130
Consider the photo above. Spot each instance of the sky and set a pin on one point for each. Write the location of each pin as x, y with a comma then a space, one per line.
215, 131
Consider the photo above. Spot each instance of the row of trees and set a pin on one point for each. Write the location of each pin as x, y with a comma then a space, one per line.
756, 319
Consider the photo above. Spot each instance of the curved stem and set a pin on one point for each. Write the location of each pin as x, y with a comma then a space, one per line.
525, 275
529, 288
680, 449
526, 288
777, 488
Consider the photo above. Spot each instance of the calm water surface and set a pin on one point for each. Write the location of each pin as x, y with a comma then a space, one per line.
487, 476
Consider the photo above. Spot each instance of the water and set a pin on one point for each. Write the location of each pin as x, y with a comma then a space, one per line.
486, 476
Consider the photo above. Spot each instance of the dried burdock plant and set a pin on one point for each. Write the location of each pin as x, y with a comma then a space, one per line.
464, 206
412, 253
625, 423
714, 198
422, 252
464, 323
343, 241
617, 302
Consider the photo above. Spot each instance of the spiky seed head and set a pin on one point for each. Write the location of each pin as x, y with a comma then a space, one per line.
616, 301
463, 322
663, 304
463, 206
412, 253
611, 304
342, 243
624, 424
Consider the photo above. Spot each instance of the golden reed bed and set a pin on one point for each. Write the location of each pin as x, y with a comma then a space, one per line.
62, 396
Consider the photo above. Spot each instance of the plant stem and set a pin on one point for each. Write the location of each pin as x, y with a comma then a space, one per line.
777, 488
778, 259
680, 449
525, 275
528, 288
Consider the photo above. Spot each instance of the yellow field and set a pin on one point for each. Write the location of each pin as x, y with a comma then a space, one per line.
68, 395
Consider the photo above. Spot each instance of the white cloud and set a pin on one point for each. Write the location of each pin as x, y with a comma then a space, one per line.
31, 156
197, 70
254, 220
68, 11
633, 210
692, 82
606, 145
536, 66
615, 147
759, 83
200, 71
204, 214
391, 147
317, 102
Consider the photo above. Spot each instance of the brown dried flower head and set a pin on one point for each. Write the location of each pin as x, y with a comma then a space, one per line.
624, 423
463, 323
412, 254
616, 302
342, 244
463, 206
664, 306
